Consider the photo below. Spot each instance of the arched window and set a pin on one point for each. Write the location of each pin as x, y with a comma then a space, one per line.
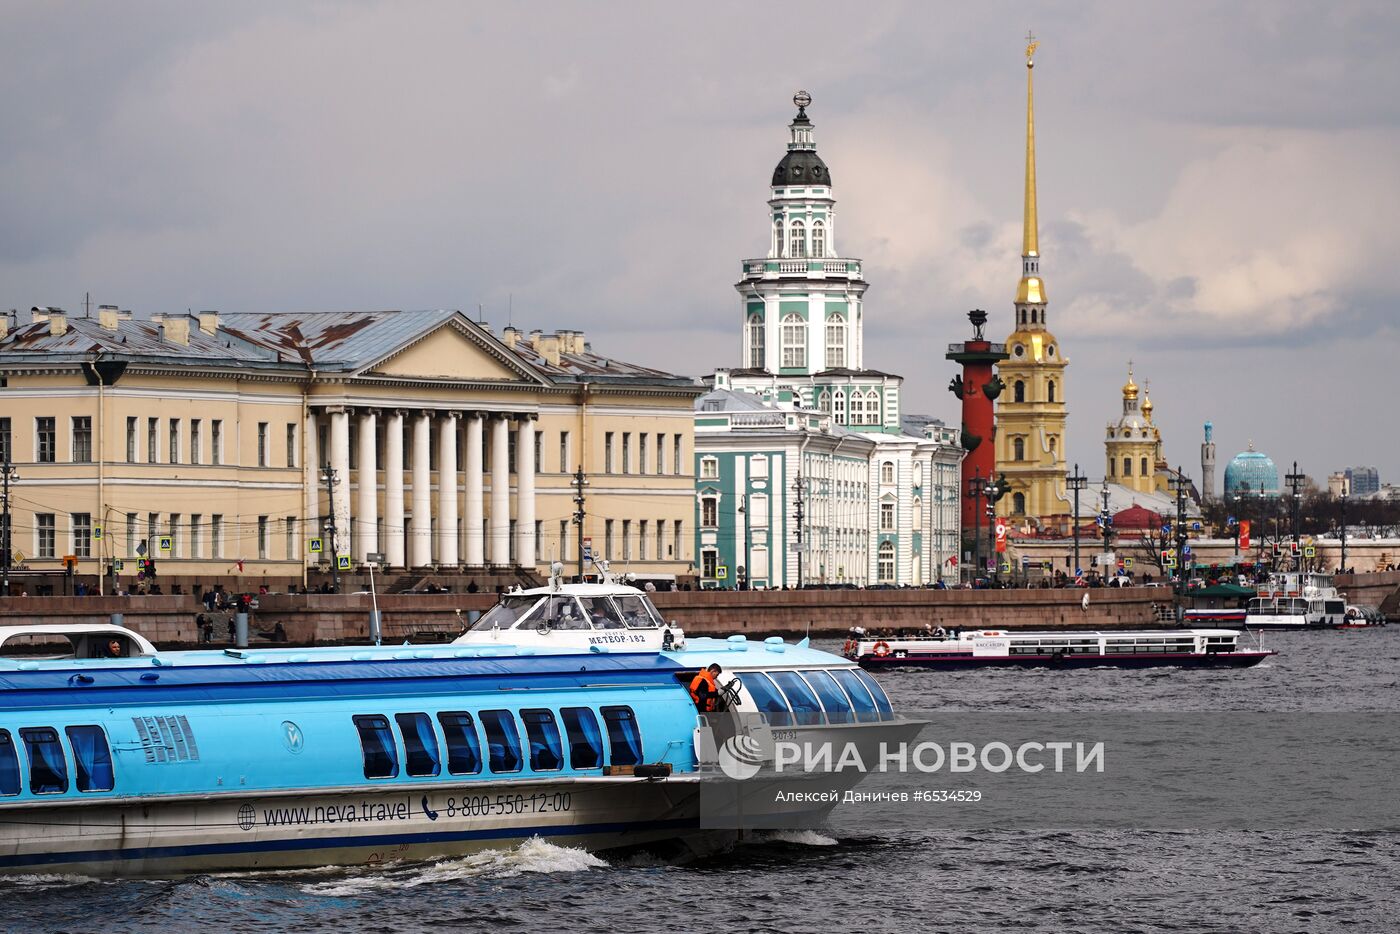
824, 401
872, 408
1020, 389
757, 349
818, 239
887, 472
835, 341
1018, 503
794, 341
1053, 445
918, 513
1127, 466
1018, 449
778, 238
885, 570
1050, 391
839, 407
1143, 473
799, 240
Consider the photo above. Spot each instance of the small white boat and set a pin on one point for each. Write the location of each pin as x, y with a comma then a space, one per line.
1296, 600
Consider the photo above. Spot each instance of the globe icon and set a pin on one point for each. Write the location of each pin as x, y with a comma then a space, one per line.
245, 817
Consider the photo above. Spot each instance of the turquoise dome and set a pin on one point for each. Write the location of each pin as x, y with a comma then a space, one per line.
1249, 473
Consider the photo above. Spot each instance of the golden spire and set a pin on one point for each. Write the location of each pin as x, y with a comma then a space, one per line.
1030, 241
1031, 291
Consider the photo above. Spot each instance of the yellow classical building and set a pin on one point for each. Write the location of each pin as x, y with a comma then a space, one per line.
1031, 413
1133, 445
256, 448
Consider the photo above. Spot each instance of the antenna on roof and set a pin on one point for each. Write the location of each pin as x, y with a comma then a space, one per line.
510, 309
87, 304
480, 315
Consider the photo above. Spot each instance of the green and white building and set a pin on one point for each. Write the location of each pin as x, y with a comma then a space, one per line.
805, 428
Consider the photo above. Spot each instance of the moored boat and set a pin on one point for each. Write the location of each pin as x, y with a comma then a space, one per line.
1187, 648
1296, 600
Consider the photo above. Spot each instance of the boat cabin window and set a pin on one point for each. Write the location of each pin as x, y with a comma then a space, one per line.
9, 765
624, 739
502, 740
601, 613
638, 612
860, 697
838, 708
882, 703
766, 696
48, 772
377, 746
546, 749
505, 614
92, 758
805, 706
463, 747
585, 739
419, 744
558, 611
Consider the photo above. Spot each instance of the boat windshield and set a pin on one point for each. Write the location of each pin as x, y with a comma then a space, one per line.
602, 613
505, 614
637, 612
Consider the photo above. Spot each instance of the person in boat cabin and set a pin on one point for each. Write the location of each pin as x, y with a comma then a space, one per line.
114, 649
704, 689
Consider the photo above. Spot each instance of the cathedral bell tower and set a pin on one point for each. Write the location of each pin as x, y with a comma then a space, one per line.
1030, 435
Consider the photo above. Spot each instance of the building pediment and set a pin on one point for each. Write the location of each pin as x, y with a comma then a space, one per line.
455, 350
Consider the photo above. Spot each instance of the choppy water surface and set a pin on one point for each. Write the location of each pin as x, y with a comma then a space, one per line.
856, 878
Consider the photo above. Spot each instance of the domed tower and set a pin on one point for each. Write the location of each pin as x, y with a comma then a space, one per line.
1251, 474
1131, 443
803, 302
1030, 437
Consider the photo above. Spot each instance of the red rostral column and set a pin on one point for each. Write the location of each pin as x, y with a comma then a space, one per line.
978, 388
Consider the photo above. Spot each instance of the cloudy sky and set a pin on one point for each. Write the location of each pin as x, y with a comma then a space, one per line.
1219, 183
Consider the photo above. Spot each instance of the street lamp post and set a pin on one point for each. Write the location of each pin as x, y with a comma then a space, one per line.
7, 476
330, 475
1106, 520
1180, 485
1076, 481
1295, 489
1343, 568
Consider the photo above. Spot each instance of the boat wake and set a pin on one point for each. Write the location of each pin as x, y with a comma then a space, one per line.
797, 838
532, 856
47, 880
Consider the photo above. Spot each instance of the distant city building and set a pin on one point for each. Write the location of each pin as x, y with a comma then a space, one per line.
1251, 473
1338, 484
805, 422
1363, 481
1208, 464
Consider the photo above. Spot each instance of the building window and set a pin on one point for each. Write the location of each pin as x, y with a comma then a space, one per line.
196, 441
1020, 391
44, 531
887, 517
757, 347
642, 452
563, 452
709, 468
538, 465
627, 452
677, 553
608, 452
262, 444
174, 531
46, 447
131, 535
1050, 386
216, 442
82, 439
794, 341
174, 441
778, 237
835, 342
152, 524
626, 539
1143, 471
642, 539
291, 444
291, 537
709, 564
608, 539
1054, 447
660, 539
82, 534
918, 513
262, 537
660, 454
799, 240
885, 569
1127, 466
676, 461
1018, 504
131, 439
216, 536
818, 240
709, 511
195, 521
1112, 467
6, 454
511, 439
887, 472
152, 440
838, 407
1018, 449
872, 408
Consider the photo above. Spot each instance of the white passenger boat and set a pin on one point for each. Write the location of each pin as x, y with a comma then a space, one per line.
1296, 600
1187, 648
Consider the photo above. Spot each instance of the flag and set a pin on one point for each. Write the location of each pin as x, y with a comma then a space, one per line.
953, 561
239, 562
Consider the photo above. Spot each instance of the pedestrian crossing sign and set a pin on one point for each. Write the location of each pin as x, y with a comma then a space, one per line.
343, 562
1309, 552
165, 544
97, 533
722, 572
314, 546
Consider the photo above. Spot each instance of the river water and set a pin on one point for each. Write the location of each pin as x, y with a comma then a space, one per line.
852, 877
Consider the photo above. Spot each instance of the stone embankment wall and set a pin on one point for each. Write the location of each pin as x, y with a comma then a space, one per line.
308, 618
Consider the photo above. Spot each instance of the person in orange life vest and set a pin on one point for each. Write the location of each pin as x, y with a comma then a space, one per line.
704, 690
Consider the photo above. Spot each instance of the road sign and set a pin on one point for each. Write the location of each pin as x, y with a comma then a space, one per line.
1169, 562
722, 572
588, 549
1127, 562
1310, 552
342, 562
314, 546
97, 533
165, 544
1006, 567
375, 557
117, 565
1186, 551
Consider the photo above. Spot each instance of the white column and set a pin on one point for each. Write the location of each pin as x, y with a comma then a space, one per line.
500, 490
311, 474
367, 502
421, 540
525, 493
476, 502
340, 498
393, 490
447, 490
